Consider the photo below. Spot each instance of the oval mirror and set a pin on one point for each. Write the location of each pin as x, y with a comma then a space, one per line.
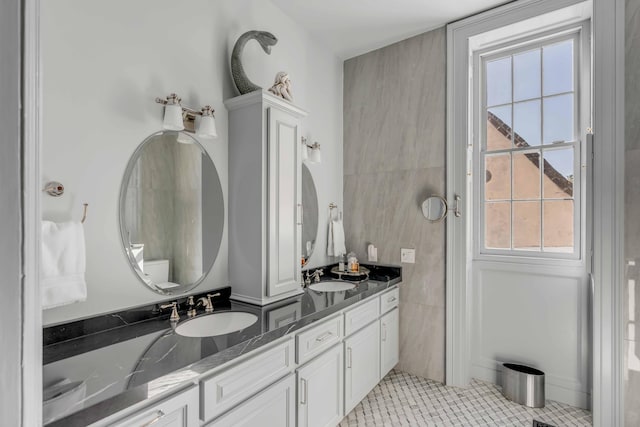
309, 214
171, 212
434, 208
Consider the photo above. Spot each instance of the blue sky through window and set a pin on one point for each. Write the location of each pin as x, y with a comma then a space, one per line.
534, 85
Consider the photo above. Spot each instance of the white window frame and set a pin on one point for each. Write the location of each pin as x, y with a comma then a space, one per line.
607, 196
580, 33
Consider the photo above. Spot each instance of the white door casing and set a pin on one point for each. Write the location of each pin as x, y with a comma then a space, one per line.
608, 52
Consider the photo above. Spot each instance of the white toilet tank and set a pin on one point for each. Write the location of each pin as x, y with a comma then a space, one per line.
157, 270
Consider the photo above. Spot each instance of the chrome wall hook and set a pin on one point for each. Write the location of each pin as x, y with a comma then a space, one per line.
54, 188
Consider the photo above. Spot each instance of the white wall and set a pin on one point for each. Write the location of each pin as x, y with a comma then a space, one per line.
10, 215
103, 65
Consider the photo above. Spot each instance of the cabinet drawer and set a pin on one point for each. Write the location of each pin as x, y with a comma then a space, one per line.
317, 339
389, 300
273, 407
361, 316
178, 410
230, 387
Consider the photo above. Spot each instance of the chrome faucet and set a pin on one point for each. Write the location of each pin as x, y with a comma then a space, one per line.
316, 275
306, 278
174, 312
192, 307
206, 302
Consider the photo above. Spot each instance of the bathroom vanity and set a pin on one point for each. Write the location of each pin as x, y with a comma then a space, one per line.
306, 361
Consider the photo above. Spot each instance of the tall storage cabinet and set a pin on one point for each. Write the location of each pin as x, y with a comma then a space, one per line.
265, 203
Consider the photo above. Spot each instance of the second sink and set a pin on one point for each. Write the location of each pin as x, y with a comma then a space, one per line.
216, 324
332, 286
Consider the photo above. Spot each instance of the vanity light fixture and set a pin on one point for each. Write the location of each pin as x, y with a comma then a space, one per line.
177, 117
311, 152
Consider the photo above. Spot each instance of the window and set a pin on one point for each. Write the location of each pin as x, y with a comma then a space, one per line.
530, 152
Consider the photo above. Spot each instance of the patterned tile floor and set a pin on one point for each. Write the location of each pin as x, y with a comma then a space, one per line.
405, 400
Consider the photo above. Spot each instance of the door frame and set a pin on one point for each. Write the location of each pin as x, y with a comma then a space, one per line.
608, 195
31, 215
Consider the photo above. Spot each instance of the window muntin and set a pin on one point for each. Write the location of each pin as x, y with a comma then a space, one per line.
529, 151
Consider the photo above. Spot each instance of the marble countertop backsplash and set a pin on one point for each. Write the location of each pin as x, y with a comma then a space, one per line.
127, 357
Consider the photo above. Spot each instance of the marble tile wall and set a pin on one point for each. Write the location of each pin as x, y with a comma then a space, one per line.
394, 157
632, 214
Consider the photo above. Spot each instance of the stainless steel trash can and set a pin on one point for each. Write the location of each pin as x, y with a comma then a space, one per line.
523, 384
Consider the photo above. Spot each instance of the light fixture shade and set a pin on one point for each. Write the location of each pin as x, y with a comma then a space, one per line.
173, 117
305, 152
315, 156
207, 127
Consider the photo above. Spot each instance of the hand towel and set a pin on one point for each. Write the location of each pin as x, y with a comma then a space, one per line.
336, 242
62, 264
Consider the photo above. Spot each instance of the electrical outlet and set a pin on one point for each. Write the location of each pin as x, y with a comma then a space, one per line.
408, 256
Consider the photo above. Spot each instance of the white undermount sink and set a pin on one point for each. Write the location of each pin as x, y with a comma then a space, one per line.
216, 324
333, 286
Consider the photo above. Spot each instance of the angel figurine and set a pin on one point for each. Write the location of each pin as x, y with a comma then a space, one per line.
282, 86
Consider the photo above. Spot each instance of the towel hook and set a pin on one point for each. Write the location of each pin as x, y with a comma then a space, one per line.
54, 188
84, 212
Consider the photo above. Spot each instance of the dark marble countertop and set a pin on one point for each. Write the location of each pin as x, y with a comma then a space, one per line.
124, 365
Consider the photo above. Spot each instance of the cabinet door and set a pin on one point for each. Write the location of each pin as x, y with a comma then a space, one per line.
320, 390
284, 201
389, 341
362, 364
274, 407
180, 410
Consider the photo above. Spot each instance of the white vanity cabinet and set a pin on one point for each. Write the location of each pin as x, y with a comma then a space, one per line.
389, 331
265, 203
230, 387
389, 341
273, 407
312, 379
320, 390
178, 410
362, 364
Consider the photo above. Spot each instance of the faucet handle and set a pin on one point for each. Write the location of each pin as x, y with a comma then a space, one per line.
192, 307
209, 308
174, 313
316, 274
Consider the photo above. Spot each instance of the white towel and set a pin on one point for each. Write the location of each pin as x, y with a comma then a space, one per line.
62, 264
335, 239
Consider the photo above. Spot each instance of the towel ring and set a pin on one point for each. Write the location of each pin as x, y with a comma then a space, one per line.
84, 212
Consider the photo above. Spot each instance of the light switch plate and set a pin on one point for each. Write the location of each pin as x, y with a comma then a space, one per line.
408, 256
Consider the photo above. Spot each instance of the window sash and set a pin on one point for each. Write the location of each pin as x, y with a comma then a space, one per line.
575, 144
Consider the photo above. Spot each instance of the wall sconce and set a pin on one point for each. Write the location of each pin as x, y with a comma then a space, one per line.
177, 117
311, 152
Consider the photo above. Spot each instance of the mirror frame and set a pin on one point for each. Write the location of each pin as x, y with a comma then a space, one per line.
313, 182
121, 215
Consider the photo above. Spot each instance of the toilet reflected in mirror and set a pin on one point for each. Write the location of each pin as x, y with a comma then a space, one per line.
171, 212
